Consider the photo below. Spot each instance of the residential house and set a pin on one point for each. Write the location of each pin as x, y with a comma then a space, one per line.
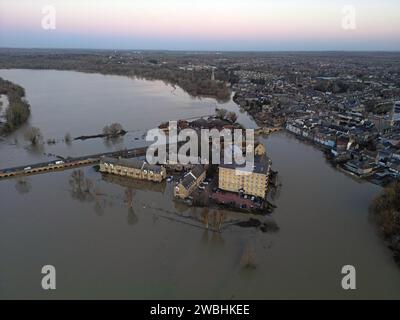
190, 182
133, 168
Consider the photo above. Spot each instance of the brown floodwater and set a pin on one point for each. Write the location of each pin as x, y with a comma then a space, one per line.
101, 248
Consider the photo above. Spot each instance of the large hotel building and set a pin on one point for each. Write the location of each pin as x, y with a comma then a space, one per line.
253, 182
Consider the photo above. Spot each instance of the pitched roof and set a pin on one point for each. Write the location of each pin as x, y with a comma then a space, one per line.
192, 176
132, 163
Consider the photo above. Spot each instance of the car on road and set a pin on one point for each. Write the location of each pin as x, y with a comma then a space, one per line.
27, 168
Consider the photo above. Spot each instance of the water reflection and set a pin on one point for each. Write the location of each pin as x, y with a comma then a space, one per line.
132, 217
99, 208
128, 200
81, 187
114, 142
23, 186
248, 257
36, 150
134, 184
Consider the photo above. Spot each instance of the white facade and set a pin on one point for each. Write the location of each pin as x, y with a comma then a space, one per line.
396, 111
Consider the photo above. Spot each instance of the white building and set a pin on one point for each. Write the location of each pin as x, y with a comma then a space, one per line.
396, 111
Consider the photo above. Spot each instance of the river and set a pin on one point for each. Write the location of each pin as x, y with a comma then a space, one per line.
158, 249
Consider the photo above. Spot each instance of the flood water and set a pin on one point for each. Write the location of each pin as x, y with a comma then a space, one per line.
159, 249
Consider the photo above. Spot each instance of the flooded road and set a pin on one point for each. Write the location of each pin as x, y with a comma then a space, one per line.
101, 248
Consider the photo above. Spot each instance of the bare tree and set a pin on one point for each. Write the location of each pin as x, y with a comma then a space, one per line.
132, 217
33, 135
221, 113
88, 185
67, 138
113, 130
23, 186
205, 216
248, 260
81, 188
77, 181
231, 116
128, 197
106, 130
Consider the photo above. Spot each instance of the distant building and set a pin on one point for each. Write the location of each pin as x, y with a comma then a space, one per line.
212, 74
382, 122
133, 168
360, 167
259, 150
395, 168
396, 111
190, 182
236, 178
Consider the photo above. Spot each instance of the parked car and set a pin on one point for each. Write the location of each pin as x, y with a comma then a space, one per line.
27, 168
60, 162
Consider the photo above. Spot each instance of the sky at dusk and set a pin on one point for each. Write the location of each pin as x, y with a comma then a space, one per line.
214, 25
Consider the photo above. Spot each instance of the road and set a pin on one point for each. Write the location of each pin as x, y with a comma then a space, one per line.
68, 163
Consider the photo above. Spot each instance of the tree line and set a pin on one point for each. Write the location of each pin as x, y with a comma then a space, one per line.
195, 82
18, 110
386, 210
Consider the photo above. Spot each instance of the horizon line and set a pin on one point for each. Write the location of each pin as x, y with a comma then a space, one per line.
207, 51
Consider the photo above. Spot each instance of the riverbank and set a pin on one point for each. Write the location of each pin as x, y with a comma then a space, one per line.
196, 82
387, 220
386, 210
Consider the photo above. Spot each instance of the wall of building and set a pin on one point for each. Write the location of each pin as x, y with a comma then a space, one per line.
181, 192
133, 172
255, 184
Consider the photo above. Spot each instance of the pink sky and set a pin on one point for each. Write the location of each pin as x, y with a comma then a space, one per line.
214, 20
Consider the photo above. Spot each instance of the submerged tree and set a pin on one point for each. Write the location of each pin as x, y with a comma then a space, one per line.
76, 180
33, 135
128, 197
23, 186
221, 113
218, 219
231, 116
82, 187
113, 130
248, 259
132, 217
68, 138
